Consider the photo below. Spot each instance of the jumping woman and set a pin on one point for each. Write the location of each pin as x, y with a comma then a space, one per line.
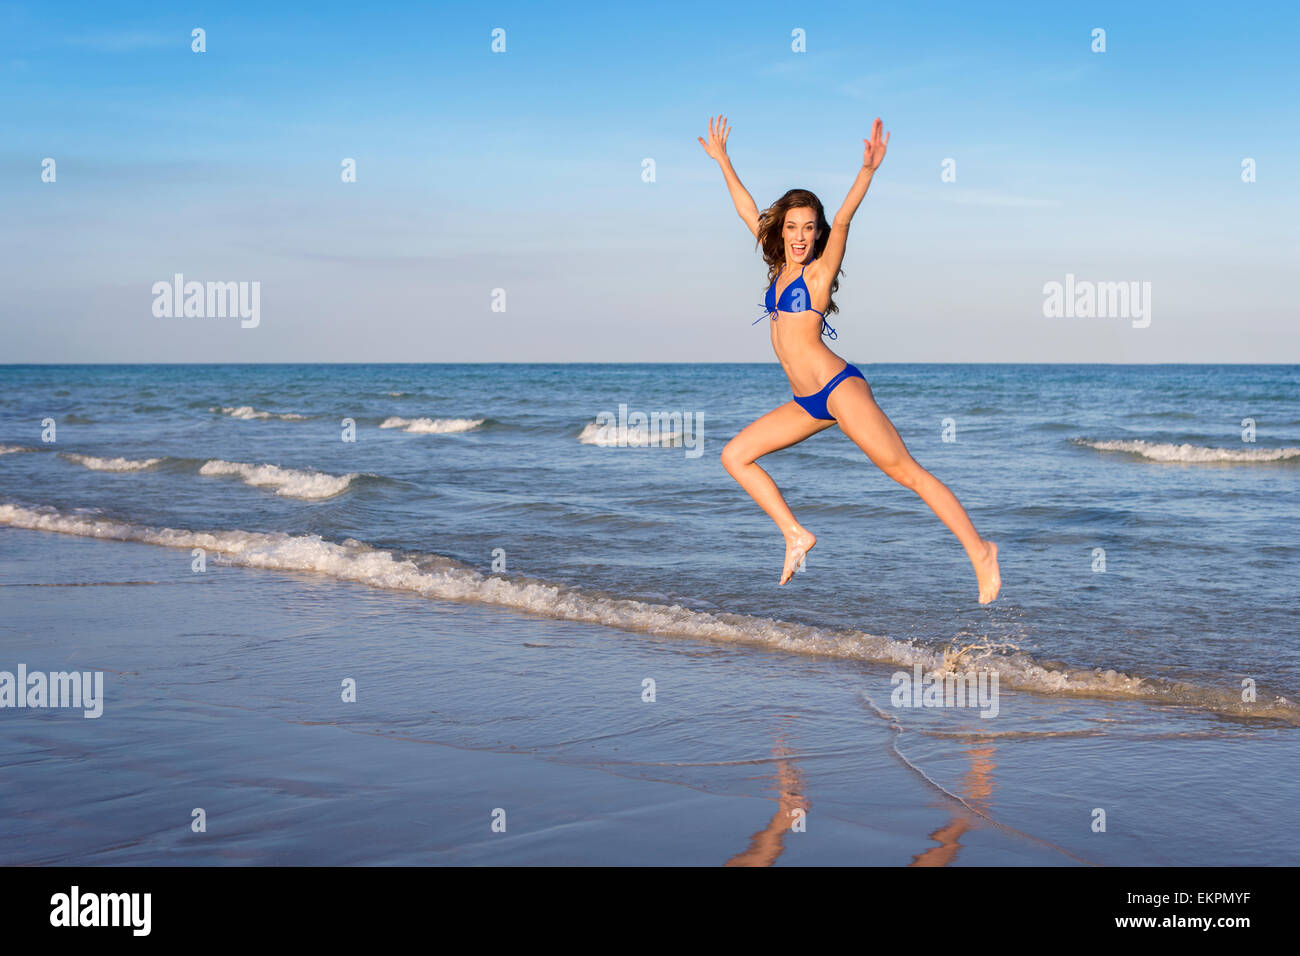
803, 254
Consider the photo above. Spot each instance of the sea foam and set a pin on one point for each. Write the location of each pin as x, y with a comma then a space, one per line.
111, 464
1169, 452
432, 426
631, 436
248, 413
442, 578
289, 482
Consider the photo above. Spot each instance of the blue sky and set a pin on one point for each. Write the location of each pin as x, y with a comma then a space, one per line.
522, 171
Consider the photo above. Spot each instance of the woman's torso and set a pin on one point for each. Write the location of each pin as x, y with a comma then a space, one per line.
797, 340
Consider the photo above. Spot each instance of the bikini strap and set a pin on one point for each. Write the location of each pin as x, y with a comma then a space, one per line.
822, 314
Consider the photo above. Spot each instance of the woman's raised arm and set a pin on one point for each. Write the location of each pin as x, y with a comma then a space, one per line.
717, 148
873, 154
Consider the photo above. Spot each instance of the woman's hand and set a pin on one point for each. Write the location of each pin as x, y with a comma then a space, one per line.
717, 144
873, 151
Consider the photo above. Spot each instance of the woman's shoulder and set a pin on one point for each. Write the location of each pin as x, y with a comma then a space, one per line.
815, 270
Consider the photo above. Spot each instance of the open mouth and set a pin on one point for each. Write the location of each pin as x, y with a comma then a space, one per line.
798, 250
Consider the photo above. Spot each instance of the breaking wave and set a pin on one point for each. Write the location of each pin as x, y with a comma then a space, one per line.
289, 482
1169, 452
111, 464
630, 436
433, 426
439, 577
248, 413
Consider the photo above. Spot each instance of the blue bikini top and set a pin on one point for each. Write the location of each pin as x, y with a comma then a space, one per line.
794, 298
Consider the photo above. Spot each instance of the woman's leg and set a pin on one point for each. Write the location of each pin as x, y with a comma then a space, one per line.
861, 419
780, 428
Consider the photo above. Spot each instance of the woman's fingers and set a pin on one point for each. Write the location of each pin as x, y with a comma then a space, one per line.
877, 142
873, 150
718, 131
717, 135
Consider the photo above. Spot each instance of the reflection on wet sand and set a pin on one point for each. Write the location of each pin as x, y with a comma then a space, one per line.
978, 788
769, 843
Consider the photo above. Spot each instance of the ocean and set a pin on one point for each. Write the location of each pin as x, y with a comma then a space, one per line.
587, 616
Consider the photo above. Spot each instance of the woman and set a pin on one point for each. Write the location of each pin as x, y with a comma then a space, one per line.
803, 254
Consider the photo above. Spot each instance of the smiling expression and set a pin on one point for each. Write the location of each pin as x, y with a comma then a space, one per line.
800, 234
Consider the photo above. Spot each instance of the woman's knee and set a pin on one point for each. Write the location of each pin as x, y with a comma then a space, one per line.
906, 472
733, 457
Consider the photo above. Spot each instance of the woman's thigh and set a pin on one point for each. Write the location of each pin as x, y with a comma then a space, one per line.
859, 417
782, 427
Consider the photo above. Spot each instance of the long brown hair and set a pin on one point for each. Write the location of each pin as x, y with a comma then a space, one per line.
771, 223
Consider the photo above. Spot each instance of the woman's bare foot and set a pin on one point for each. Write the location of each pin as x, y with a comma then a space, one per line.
797, 545
986, 571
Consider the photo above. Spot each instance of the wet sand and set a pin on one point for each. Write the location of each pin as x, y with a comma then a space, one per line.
223, 692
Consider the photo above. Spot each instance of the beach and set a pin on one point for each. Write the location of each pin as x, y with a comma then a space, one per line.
460, 710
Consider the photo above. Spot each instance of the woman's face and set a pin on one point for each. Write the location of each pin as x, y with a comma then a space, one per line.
800, 234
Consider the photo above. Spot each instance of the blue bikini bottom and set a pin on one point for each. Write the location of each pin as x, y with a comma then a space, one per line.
815, 405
